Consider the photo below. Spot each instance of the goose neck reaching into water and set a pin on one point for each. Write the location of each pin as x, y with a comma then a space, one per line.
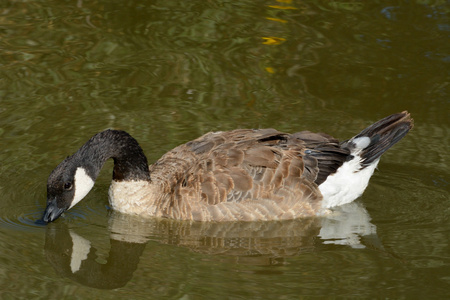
130, 163
73, 178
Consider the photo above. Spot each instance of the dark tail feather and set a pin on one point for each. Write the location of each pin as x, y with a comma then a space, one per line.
383, 135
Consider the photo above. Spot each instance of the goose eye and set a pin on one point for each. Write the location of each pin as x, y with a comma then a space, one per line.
68, 186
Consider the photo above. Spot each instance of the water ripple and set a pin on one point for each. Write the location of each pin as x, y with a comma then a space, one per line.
31, 218
23, 222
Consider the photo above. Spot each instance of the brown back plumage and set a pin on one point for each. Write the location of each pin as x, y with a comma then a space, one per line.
248, 167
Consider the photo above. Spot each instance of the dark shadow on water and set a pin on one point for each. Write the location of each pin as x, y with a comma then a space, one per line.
73, 257
250, 243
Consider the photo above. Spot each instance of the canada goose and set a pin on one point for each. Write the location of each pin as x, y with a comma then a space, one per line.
243, 174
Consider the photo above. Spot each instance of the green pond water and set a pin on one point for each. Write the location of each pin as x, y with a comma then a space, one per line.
170, 71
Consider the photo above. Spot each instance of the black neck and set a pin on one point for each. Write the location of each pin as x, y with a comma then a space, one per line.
130, 162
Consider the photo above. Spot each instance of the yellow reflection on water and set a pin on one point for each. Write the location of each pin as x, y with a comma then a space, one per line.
276, 20
273, 40
282, 7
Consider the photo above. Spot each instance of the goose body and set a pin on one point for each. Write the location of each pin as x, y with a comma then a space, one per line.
242, 174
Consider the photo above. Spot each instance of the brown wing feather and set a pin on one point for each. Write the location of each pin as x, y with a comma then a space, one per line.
248, 165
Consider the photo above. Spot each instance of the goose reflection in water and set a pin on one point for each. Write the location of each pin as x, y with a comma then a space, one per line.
73, 256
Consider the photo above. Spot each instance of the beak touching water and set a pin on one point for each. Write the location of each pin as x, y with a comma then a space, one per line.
52, 211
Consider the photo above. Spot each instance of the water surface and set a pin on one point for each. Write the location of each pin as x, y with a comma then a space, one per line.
169, 71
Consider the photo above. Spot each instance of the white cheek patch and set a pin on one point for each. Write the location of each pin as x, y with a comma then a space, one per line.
80, 251
83, 184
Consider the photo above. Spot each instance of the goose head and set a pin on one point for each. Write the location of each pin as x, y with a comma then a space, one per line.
75, 176
67, 185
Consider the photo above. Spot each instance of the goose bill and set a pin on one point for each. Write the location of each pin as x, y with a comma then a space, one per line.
52, 211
